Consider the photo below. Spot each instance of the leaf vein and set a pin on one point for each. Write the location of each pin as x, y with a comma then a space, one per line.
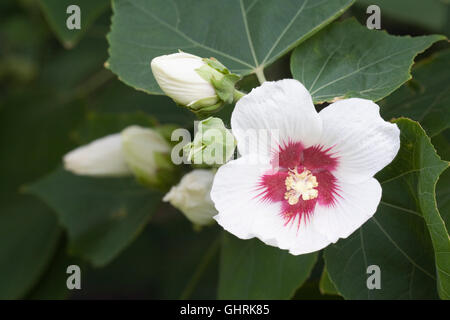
284, 31
185, 36
247, 31
360, 69
401, 250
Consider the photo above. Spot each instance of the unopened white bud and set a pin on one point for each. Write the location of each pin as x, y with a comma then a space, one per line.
177, 76
146, 152
137, 151
102, 157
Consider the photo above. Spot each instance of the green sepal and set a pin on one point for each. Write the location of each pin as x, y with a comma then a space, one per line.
217, 65
203, 103
198, 149
205, 112
208, 73
220, 77
225, 87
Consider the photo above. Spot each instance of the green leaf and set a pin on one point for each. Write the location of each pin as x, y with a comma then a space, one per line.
55, 12
102, 215
30, 235
442, 144
245, 35
348, 60
326, 286
426, 98
431, 14
443, 196
52, 285
397, 237
161, 267
441, 243
249, 269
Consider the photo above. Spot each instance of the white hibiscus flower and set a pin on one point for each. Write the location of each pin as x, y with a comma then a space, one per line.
317, 185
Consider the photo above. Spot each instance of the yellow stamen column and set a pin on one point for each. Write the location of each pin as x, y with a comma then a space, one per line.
300, 185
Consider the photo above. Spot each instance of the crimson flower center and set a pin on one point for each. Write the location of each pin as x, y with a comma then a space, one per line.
301, 178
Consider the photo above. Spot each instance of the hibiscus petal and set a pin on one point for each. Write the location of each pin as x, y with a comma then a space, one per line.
244, 213
360, 139
236, 196
276, 113
101, 157
355, 204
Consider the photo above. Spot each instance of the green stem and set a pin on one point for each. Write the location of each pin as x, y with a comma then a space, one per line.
210, 253
260, 74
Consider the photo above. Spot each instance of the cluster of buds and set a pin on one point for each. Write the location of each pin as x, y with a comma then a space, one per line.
204, 86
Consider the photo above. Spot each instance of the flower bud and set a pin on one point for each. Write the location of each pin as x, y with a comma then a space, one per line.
213, 143
137, 151
191, 197
202, 85
102, 157
147, 155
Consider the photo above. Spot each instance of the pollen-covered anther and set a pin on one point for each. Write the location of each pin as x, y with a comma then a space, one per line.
300, 185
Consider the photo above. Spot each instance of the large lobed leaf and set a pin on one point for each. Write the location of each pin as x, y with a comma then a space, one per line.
52, 284
397, 238
249, 269
245, 35
431, 14
165, 261
102, 215
443, 197
326, 286
55, 12
347, 60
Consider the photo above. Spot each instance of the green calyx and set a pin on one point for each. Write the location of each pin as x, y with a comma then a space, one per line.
213, 143
206, 106
224, 83
147, 154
